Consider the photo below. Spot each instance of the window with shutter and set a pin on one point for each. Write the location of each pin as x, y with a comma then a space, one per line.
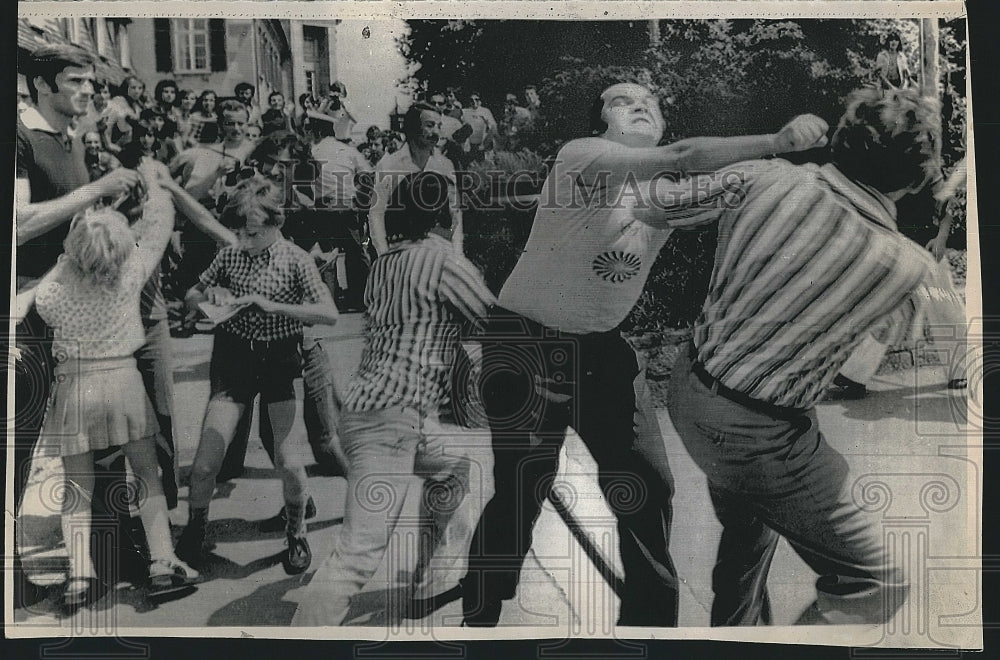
191, 45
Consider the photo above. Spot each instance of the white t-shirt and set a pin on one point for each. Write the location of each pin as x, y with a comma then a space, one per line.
586, 262
339, 163
392, 169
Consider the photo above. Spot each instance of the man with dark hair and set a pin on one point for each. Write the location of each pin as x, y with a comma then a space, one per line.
483, 123
422, 127
244, 91
806, 265
554, 358
52, 185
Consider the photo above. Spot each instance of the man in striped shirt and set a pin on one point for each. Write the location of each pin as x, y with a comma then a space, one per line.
806, 265
554, 357
418, 293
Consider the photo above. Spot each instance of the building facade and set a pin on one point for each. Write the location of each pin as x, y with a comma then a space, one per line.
289, 56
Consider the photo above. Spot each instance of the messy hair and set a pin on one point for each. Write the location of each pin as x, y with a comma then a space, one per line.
889, 139
98, 244
255, 199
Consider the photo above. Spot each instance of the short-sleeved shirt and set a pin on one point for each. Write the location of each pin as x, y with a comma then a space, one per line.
591, 246
394, 167
416, 296
482, 122
284, 273
338, 164
53, 164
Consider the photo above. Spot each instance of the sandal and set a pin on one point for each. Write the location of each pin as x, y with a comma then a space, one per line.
170, 574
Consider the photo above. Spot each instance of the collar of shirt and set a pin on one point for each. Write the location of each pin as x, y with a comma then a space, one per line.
869, 202
35, 121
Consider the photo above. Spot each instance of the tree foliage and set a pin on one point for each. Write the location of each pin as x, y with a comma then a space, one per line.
717, 77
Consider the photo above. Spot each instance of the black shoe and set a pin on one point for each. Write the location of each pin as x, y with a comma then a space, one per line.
191, 544
478, 612
278, 522
958, 384
298, 556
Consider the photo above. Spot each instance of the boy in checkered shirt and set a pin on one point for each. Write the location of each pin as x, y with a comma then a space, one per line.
256, 352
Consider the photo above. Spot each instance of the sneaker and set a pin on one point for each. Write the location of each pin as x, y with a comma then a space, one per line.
278, 522
190, 544
298, 556
170, 574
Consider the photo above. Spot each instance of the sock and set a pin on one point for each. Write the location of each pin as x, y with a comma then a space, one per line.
296, 515
153, 511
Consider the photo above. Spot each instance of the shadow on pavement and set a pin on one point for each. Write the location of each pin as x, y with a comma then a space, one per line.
948, 406
264, 607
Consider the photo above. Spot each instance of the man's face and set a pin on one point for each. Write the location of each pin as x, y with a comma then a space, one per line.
430, 129
75, 86
256, 237
277, 102
245, 95
92, 143
168, 95
631, 111
451, 99
476, 101
208, 103
147, 141
438, 102
234, 124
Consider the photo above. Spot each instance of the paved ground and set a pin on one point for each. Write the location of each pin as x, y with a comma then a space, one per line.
904, 428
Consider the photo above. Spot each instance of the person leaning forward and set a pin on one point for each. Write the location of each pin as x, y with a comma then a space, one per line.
554, 357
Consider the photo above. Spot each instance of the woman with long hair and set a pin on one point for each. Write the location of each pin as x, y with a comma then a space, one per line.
204, 119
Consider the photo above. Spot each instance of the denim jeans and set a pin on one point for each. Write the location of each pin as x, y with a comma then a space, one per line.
537, 382
769, 477
389, 452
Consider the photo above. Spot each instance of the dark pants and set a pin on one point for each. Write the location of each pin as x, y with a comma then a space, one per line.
154, 363
342, 230
536, 383
771, 476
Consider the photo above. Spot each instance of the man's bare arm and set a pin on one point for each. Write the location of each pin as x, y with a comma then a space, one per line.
33, 220
705, 154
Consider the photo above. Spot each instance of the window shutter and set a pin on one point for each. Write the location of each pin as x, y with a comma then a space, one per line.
217, 43
163, 45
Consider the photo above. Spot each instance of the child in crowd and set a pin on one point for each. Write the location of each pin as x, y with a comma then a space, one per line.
91, 300
416, 297
185, 123
256, 352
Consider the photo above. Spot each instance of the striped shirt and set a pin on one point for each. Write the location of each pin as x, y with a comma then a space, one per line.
416, 296
284, 273
805, 266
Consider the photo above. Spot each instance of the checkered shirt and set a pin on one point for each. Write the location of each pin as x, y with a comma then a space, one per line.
284, 273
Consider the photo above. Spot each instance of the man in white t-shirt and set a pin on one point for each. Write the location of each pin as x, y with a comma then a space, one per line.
554, 358
422, 127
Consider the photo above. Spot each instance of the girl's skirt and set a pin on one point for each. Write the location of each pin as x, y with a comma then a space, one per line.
96, 404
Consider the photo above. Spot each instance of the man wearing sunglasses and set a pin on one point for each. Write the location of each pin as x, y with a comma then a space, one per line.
483, 123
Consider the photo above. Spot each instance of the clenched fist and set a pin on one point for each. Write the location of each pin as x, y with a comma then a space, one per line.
803, 132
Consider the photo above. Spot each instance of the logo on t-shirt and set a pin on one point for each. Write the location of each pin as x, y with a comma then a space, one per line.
617, 266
